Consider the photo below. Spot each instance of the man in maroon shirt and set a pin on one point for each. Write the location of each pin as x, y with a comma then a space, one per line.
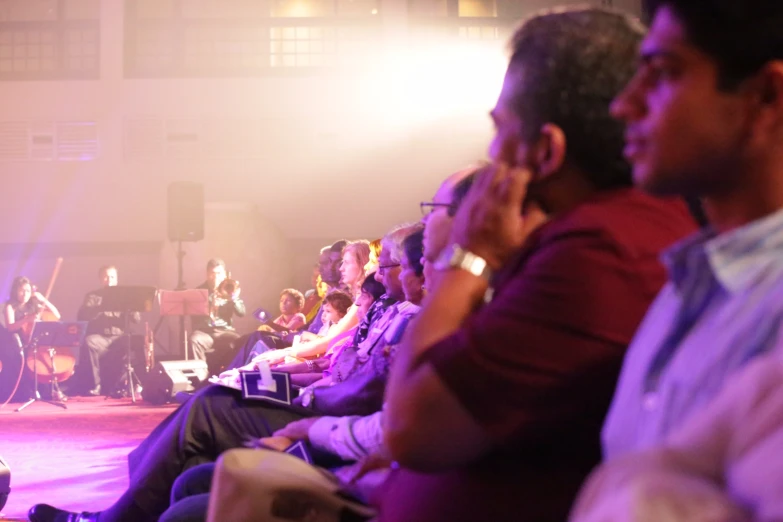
494, 409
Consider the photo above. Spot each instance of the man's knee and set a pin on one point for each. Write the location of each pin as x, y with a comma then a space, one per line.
194, 481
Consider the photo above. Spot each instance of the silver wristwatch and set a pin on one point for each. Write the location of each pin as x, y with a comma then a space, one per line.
454, 256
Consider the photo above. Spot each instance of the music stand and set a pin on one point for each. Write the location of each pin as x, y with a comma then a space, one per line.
69, 335
182, 303
127, 300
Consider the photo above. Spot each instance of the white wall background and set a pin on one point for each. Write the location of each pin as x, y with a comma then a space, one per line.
333, 156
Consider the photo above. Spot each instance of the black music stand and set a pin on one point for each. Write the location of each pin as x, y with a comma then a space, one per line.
127, 300
53, 334
182, 303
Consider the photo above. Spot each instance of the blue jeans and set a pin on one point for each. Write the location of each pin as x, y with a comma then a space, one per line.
190, 495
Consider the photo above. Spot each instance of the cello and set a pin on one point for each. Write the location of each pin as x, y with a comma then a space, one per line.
53, 364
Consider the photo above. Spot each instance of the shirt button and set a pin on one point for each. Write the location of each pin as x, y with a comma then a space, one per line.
650, 401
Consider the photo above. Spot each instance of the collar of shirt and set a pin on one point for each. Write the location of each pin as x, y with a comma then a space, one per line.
736, 259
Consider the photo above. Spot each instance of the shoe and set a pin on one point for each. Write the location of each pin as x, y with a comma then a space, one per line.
47, 513
59, 396
95, 392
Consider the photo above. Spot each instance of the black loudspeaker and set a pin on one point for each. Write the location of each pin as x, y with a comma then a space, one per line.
5, 482
168, 378
186, 211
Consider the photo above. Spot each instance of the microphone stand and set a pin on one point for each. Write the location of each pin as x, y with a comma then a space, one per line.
37, 396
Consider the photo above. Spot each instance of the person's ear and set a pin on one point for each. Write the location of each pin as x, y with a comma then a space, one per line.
768, 97
548, 154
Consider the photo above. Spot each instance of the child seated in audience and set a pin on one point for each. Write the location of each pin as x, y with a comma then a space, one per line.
336, 305
291, 317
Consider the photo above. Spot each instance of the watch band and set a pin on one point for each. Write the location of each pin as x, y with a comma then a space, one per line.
454, 256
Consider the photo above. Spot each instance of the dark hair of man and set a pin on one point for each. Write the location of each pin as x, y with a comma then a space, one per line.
462, 188
105, 268
740, 35
296, 295
373, 287
413, 246
339, 300
16, 284
339, 245
215, 262
569, 64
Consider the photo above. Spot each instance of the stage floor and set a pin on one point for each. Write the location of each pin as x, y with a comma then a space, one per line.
74, 459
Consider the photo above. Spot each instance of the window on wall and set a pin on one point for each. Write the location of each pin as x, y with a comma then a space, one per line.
458, 8
461, 19
246, 37
49, 39
477, 8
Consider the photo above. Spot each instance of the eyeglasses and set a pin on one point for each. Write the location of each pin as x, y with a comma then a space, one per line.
387, 267
428, 206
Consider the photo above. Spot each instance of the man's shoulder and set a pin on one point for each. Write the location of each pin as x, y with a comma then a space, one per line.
627, 219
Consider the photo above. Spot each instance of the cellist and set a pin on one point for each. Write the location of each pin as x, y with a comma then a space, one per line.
24, 306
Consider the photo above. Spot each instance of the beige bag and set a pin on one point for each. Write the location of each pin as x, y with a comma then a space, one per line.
269, 486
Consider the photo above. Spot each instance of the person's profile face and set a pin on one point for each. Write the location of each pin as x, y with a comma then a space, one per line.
437, 223
330, 314
363, 304
350, 271
109, 277
507, 145
389, 275
412, 284
335, 260
24, 293
288, 305
324, 264
683, 134
216, 276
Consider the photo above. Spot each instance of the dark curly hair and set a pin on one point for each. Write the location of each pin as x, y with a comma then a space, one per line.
296, 295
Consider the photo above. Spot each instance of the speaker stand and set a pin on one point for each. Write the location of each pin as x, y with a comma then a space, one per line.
183, 338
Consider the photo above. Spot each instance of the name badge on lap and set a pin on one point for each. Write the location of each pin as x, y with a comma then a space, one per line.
278, 391
299, 450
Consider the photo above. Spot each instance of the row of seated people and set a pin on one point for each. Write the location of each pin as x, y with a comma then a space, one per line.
540, 314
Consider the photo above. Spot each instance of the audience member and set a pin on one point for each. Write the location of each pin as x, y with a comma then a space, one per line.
336, 305
499, 389
722, 464
291, 318
411, 269
355, 256
711, 130
314, 296
704, 118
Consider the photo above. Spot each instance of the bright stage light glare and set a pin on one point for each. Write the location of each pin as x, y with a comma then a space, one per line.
444, 80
